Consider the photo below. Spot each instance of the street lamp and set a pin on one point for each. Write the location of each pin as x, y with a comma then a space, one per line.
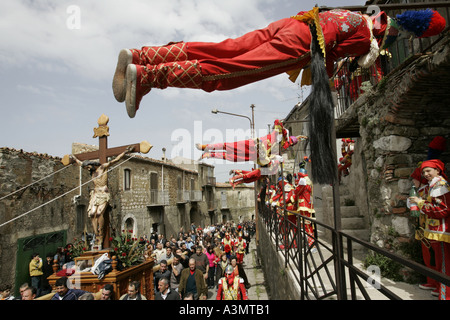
252, 128
252, 121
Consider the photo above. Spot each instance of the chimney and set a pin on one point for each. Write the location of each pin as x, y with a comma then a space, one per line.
164, 155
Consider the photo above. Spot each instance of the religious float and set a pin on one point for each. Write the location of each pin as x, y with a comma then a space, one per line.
118, 259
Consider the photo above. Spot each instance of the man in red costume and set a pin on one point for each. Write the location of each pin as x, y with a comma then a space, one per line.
246, 176
258, 150
304, 202
435, 204
345, 162
285, 192
435, 149
231, 287
288, 45
240, 245
283, 46
227, 244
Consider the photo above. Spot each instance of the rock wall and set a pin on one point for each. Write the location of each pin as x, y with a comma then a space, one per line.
19, 169
395, 128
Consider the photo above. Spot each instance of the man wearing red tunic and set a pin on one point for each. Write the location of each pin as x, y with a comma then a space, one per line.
231, 286
258, 150
248, 176
304, 203
435, 204
288, 45
283, 46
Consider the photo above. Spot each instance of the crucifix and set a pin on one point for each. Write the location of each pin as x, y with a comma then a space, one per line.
100, 196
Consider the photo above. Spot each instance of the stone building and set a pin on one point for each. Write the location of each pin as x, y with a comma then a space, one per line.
392, 113
38, 210
237, 204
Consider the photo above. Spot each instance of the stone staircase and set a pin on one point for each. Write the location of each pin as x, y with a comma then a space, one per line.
353, 222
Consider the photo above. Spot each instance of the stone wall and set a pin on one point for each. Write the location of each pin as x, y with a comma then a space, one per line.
279, 280
19, 169
239, 204
394, 139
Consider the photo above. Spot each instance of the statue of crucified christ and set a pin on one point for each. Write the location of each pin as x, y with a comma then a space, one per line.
99, 198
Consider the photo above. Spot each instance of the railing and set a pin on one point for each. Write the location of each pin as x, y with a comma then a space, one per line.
196, 195
350, 85
211, 204
320, 268
210, 181
158, 197
183, 196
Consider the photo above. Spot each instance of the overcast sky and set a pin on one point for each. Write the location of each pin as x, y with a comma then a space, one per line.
57, 59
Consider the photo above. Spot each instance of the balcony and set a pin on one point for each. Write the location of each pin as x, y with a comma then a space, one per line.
158, 198
210, 181
183, 196
196, 195
211, 204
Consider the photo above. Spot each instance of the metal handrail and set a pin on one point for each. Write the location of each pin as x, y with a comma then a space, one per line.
311, 273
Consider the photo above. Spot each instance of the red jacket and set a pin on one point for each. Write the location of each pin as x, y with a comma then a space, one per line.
436, 205
236, 292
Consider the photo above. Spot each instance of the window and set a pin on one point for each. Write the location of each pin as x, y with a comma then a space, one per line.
126, 179
154, 187
153, 180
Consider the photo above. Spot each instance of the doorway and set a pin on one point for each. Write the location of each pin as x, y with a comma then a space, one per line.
41, 244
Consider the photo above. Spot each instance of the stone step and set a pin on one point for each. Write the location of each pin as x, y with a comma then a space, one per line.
343, 200
349, 211
344, 190
353, 223
362, 234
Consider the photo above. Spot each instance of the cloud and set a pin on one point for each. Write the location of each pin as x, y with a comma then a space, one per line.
45, 36
56, 69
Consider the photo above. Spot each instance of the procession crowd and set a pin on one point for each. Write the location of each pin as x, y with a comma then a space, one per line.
187, 266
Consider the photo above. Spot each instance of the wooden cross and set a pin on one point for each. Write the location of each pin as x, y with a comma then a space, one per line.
102, 154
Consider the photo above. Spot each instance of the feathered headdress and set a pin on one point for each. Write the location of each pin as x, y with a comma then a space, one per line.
423, 23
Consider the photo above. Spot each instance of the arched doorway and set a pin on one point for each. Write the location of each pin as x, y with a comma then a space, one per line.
129, 224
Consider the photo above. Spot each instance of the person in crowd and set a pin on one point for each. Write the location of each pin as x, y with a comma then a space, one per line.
36, 273
63, 292
435, 204
5, 292
175, 276
231, 286
192, 280
60, 257
133, 292
22, 289
212, 266
163, 272
47, 270
184, 256
165, 292
158, 252
107, 292
167, 255
29, 293
239, 270
201, 261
